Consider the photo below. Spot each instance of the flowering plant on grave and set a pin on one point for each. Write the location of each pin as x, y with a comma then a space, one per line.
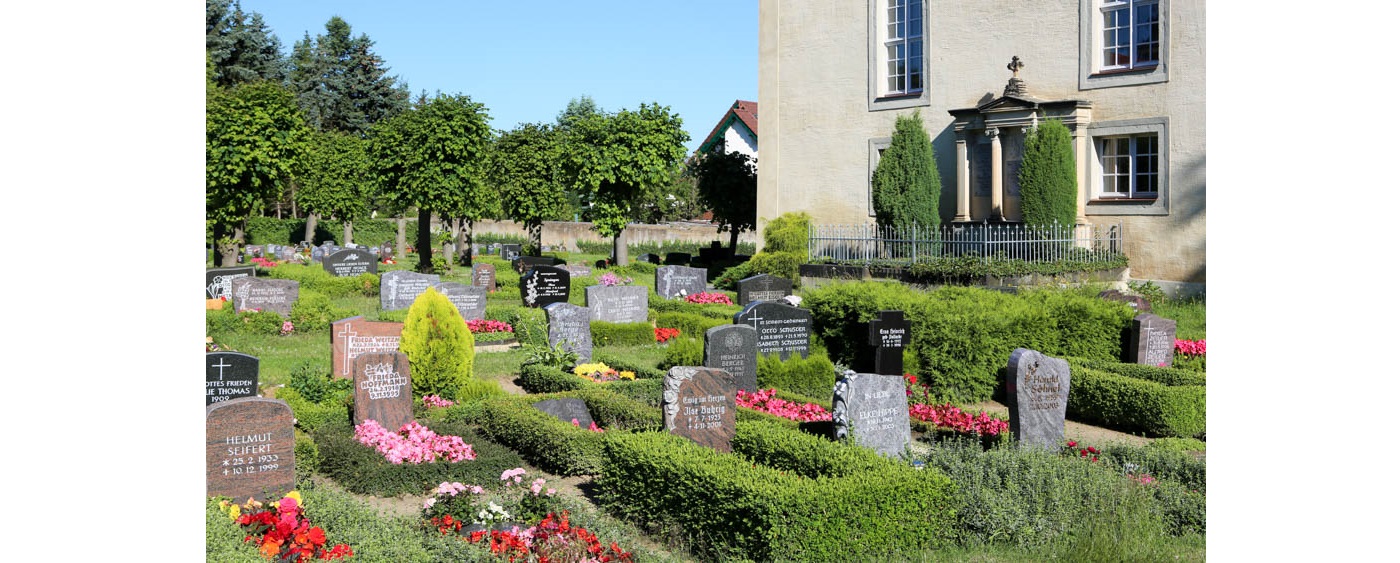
264, 262
1191, 347
948, 416
705, 298
487, 325
454, 505
413, 443
436, 401
592, 426
287, 328
599, 372
282, 531
764, 401
610, 279
553, 539
664, 334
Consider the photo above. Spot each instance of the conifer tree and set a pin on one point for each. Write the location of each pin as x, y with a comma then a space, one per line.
905, 186
1047, 178
439, 346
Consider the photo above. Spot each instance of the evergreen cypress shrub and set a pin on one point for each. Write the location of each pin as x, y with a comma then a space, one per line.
905, 185
787, 233
438, 344
1047, 177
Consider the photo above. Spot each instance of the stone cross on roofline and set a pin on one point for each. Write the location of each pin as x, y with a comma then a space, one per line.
1015, 86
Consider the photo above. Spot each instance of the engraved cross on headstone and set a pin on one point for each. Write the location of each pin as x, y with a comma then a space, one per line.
223, 363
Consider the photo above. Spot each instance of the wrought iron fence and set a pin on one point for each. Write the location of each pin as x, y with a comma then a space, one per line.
873, 245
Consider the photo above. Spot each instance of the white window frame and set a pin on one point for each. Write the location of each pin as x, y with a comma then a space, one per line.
881, 96
877, 146
1093, 72
1135, 202
1130, 166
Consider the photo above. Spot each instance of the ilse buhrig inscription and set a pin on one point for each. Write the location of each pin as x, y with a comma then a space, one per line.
782, 329
265, 295
1152, 341
568, 327
872, 409
382, 390
1037, 392
350, 262
734, 348
249, 449
354, 336
229, 375
763, 287
218, 282
678, 281
617, 303
544, 285
399, 288
698, 403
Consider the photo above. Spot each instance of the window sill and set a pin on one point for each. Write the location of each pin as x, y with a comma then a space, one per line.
898, 97
1122, 71
1123, 200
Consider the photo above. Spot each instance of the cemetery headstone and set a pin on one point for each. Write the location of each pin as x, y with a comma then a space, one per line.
523, 264
469, 299
1151, 341
677, 259
568, 326
544, 285
355, 336
678, 281
782, 329
229, 375
249, 449
254, 251
383, 390
484, 275
398, 288
872, 409
510, 251
350, 262
888, 336
1037, 392
649, 258
1137, 302
318, 254
616, 303
734, 349
265, 294
386, 250
763, 287
578, 271
218, 282
699, 403
567, 410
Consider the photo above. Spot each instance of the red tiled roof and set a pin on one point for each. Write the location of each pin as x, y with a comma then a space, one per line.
744, 111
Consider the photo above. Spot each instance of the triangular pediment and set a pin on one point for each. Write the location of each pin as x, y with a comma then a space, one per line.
1011, 103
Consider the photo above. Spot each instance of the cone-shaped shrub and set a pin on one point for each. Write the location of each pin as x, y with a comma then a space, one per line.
1048, 189
905, 184
439, 346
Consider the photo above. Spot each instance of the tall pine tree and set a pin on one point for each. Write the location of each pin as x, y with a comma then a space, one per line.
239, 45
341, 84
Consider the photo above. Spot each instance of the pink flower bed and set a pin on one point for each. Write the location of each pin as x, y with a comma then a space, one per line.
487, 325
949, 416
764, 401
414, 443
436, 401
1191, 347
705, 298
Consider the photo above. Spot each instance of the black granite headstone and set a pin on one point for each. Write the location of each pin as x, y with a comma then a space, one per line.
889, 335
349, 262
229, 375
544, 285
569, 410
677, 258
678, 281
734, 348
510, 251
1151, 341
218, 282
763, 287
399, 288
782, 329
265, 294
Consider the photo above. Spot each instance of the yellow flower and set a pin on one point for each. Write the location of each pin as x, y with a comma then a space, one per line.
296, 496
233, 510
628, 375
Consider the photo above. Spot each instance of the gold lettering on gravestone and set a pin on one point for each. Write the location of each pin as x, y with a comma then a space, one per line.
1044, 389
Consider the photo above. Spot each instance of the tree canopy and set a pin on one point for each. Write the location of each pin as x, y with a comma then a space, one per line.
335, 176
727, 182
1049, 192
239, 45
905, 186
525, 168
340, 82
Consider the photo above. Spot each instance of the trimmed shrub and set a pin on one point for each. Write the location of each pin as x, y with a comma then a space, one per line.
621, 363
313, 312
311, 415
684, 351
813, 376
1165, 376
905, 187
1178, 445
661, 305
621, 334
438, 345
260, 322
351, 521
784, 447
618, 411
1049, 191
1134, 405
307, 456
781, 264
729, 279
314, 277
1160, 463
787, 233
544, 378
543, 440
362, 470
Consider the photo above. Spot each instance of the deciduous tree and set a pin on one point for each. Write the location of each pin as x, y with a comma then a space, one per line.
525, 168
727, 182
335, 178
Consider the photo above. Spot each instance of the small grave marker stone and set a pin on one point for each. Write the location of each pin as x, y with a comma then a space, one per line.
578, 271
678, 281
1151, 341
567, 410
616, 303
649, 258
763, 287
265, 294
249, 449
699, 403
229, 375
469, 299
523, 264
218, 282
677, 258
568, 325
510, 251
782, 329
874, 410
1137, 302
889, 335
382, 389
484, 275
544, 285
1037, 392
734, 349
318, 254
355, 336
350, 262
398, 288
386, 250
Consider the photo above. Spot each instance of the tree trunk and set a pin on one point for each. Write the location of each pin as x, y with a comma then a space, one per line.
468, 233
449, 252
425, 241
401, 241
311, 229
349, 232
620, 247
464, 251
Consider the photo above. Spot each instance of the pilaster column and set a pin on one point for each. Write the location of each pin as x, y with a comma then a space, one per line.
1081, 177
995, 134
964, 188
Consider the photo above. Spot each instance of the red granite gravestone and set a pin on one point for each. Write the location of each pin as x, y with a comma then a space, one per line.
249, 448
354, 336
484, 275
698, 403
382, 390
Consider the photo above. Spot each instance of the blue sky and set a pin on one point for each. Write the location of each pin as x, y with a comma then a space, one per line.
526, 60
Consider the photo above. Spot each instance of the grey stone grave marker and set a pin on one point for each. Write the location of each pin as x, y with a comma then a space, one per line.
354, 336
398, 288
218, 282
249, 449
617, 303
510, 251
578, 271
782, 329
484, 275
763, 287
1137, 302
699, 403
229, 375
1037, 391
544, 285
1151, 341
678, 281
265, 294
568, 410
469, 299
523, 264
734, 349
349, 262
383, 389
874, 410
318, 254
568, 325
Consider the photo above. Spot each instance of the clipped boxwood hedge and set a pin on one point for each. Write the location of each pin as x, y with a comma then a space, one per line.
661, 305
314, 277
624, 363
541, 378
813, 376
362, 470
730, 507
543, 440
691, 325
1128, 404
621, 334
1165, 376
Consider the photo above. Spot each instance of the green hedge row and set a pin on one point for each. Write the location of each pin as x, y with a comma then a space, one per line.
541, 378
1165, 376
543, 440
963, 336
621, 334
813, 376
1129, 404
316, 278
362, 470
623, 363
312, 415
659, 305
729, 507
369, 232
690, 324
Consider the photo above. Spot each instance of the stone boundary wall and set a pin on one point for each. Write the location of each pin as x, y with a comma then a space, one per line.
566, 233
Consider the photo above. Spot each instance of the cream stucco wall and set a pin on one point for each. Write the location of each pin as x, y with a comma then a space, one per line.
814, 59
737, 138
